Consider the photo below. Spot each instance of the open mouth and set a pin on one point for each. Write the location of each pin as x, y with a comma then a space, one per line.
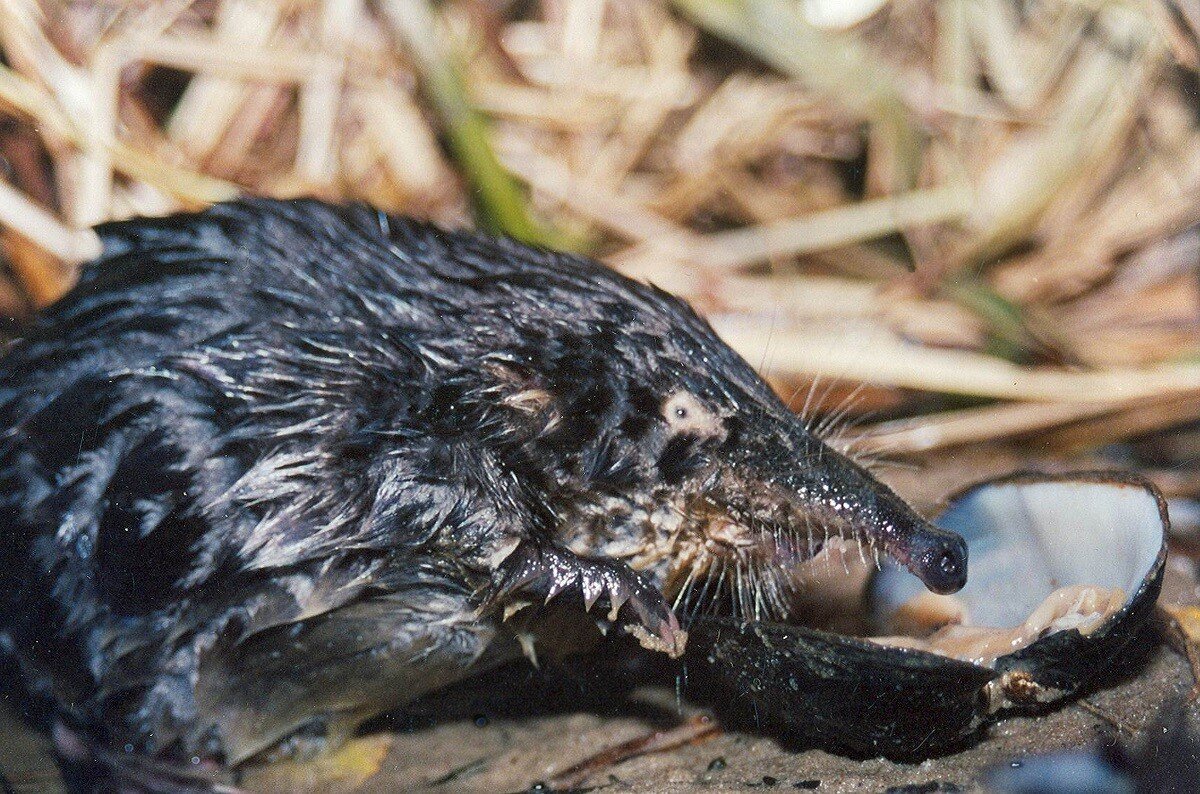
727, 562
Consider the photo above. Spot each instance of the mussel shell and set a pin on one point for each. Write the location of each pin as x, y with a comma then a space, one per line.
849, 692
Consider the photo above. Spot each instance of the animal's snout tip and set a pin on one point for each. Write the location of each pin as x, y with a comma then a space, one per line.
941, 563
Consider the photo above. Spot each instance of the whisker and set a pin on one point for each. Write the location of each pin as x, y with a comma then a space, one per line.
735, 590
756, 596
877, 462
829, 420
811, 405
696, 603
705, 603
767, 347
743, 596
835, 423
805, 416
720, 585
685, 587
839, 411
788, 402
764, 590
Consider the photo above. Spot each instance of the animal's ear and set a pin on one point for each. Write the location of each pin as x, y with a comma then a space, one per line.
521, 390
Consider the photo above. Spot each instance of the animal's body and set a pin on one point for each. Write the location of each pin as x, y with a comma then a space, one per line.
278, 466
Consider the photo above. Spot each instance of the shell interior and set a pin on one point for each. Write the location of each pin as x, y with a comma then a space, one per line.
1029, 539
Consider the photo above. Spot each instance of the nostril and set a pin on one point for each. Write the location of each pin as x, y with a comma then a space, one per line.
936, 556
943, 565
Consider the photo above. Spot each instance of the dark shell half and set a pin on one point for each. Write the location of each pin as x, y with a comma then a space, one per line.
1028, 535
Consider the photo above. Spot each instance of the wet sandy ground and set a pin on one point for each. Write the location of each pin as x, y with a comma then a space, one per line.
511, 754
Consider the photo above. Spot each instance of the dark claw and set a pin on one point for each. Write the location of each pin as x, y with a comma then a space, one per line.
542, 572
592, 590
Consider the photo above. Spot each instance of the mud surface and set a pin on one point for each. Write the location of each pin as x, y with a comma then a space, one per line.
490, 753
512, 755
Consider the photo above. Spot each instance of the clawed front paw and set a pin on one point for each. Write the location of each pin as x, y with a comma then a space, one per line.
542, 572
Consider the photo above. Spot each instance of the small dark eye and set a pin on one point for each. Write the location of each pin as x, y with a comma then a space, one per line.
681, 412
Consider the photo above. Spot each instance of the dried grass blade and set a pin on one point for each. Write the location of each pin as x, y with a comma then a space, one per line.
833, 228
839, 67
44, 229
879, 358
974, 425
208, 55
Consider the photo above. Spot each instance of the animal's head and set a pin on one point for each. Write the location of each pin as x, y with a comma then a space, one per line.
651, 440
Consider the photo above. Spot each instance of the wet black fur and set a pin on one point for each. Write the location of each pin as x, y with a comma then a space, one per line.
271, 453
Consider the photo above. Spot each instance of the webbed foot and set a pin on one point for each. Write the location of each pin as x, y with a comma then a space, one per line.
542, 572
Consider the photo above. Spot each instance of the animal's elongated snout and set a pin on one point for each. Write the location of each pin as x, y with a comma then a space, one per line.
830, 493
862, 507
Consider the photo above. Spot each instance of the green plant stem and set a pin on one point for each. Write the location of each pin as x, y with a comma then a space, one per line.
501, 204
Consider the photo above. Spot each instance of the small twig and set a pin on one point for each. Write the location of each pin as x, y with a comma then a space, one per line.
694, 730
1106, 716
459, 772
45, 230
834, 228
877, 356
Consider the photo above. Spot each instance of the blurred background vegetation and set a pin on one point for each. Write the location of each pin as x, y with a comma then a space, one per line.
968, 229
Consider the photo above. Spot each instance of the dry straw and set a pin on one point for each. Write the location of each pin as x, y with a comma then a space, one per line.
988, 200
